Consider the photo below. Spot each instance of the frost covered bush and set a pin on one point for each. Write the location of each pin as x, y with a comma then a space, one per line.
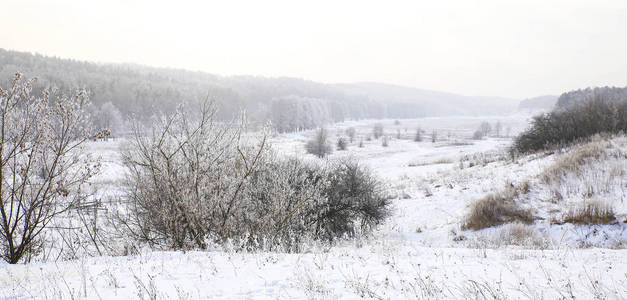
319, 145
418, 135
377, 131
355, 201
351, 132
193, 184
478, 135
43, 169
342, 144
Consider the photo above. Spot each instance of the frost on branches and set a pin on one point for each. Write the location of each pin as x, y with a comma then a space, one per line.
42, 170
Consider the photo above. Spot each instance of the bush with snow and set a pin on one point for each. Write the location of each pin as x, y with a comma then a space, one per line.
195, 184
319, 145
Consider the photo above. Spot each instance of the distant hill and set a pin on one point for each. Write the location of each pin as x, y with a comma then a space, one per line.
289, 103
538, 103
431, 103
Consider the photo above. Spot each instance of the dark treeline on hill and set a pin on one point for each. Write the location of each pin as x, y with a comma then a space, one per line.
122, 91
577, 116
609, 94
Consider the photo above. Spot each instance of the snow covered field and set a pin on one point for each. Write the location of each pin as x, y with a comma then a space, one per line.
420, 252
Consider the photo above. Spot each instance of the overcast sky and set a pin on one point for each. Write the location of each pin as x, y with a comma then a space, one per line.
496, 47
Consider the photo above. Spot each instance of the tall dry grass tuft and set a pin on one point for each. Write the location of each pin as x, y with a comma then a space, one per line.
575, 161
497, 209
591, 212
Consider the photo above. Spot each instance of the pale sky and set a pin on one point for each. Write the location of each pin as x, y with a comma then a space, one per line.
493, 47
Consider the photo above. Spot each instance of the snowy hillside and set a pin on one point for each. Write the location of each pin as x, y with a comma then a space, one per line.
421, 251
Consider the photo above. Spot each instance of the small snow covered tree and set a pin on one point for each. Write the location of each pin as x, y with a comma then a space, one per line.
434, 136
342, 144
485, 128
350, 132
42, 164
498, 127
418, 136
377, 131
477, 135
320, 145
110, 118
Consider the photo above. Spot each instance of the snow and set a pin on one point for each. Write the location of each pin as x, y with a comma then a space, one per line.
421, 252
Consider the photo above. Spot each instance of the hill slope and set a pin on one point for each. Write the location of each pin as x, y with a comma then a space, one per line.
290, 103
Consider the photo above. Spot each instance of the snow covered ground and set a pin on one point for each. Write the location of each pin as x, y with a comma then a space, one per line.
421, 252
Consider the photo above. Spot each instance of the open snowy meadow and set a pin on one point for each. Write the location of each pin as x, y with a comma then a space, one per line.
426, 249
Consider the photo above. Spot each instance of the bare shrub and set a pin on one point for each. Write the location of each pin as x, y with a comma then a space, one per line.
496, 209
485, 128
351, 132
478, 135
385, 141
43, 167
591, 212
418, 135
377, 131
356, 201
342, 144
320, 145
195, 184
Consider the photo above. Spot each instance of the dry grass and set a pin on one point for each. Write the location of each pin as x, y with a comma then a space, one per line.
522, 235
440, 161
496, 209
516, 234
592, 212
481, 159
575, 160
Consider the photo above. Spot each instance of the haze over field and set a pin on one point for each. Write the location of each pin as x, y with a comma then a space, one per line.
515, 49
278, 149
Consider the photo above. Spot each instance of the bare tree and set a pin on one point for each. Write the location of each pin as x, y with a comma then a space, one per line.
377, 131
110, 118
434, 136
497, 128
42, 167
320, 145
350, 132
342, 144
485, 128
418, 136
478, 135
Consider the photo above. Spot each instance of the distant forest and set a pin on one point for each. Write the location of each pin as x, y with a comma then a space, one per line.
607, 94
120, 92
